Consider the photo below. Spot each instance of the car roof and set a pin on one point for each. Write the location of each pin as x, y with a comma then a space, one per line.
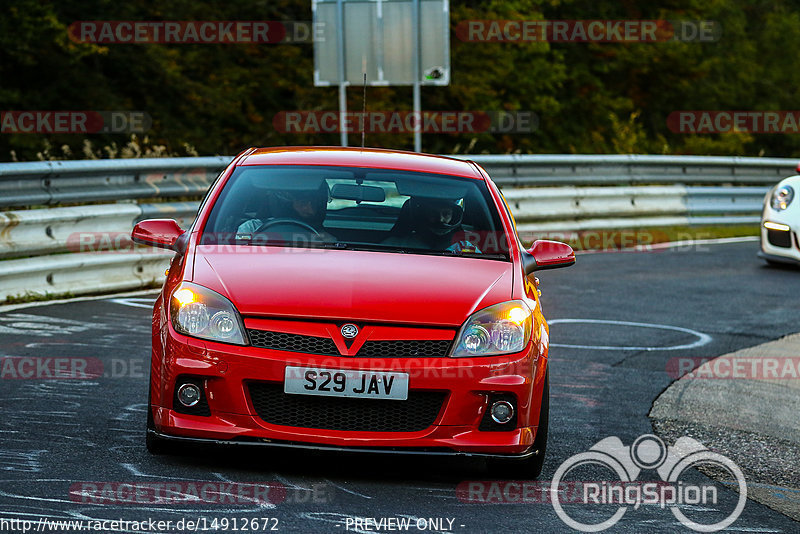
376, 158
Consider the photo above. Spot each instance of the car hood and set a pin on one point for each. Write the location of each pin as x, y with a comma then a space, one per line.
353, 285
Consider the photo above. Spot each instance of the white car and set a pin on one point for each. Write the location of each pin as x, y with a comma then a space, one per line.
780, 222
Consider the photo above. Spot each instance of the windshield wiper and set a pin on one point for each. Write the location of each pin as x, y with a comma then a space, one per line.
284, 242
475, 254
372, 247
425, 251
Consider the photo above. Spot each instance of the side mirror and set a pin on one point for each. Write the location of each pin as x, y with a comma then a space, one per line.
545, 254
161, 233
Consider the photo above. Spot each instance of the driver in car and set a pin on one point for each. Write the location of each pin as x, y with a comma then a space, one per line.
304, 206
434, 225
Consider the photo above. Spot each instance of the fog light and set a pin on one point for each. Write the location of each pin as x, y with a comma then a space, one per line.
502, 412
189, 395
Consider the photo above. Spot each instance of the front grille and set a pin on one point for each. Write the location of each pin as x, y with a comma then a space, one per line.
293, 342
275, 407
404, 349
401, 348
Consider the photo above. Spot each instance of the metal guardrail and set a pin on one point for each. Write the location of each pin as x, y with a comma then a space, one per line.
531, 170
61, 182
545, 193
80, 228
81, 273
58, 182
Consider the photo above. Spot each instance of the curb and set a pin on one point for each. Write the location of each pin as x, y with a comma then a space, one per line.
752, 421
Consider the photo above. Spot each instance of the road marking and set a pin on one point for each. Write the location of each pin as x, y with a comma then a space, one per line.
675, 244
21, 461
43, 326
10, 307
31, 498
351, 492
702, 339
286, 482
135, 472
135, 302
131, 412
716, 241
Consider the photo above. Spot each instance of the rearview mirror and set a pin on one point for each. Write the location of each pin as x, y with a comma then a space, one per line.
161, 233
545, 254
359, 193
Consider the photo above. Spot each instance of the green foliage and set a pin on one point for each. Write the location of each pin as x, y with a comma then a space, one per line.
35, 297
218, 99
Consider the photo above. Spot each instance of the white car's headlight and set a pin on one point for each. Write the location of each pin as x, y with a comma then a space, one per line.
504, 328
200, 312
782, 197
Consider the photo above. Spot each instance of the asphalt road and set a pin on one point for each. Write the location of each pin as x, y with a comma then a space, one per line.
58, 437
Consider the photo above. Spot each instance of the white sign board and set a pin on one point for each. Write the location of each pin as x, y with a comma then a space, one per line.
379, 35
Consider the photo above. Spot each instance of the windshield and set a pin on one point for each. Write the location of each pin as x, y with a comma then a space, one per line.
357, 208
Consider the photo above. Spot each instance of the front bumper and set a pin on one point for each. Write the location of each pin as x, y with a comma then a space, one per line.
266, 443
226, 371
789, 260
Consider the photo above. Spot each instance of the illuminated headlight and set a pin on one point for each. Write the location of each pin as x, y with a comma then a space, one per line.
782, 197
500, 329
200, 312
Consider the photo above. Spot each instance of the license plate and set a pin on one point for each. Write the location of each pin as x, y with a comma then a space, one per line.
345, 383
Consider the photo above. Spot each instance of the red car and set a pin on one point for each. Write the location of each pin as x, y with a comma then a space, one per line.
352, 299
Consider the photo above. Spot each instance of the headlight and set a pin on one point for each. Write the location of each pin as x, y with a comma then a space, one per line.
782, 197
500, 329
200, 312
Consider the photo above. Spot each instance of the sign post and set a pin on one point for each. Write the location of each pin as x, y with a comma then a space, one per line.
340, 74
393, 42
417, 91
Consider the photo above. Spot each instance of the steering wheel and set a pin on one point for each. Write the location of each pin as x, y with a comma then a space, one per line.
293, 222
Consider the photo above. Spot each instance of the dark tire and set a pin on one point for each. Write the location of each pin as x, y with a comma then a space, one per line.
529, 468
155, 444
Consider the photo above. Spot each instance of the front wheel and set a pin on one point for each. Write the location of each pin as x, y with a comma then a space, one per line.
531, 467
